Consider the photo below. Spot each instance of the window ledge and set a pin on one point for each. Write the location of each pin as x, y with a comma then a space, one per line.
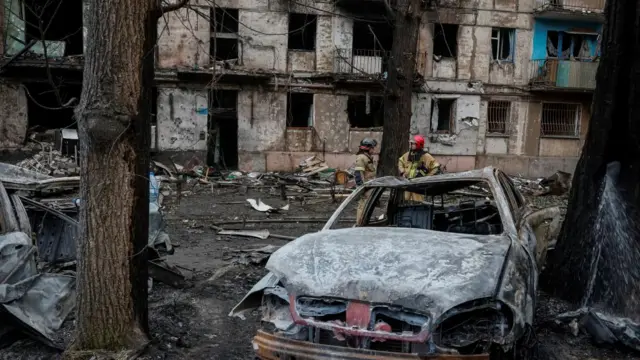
497, 135
299, 128
560, 137
371, 129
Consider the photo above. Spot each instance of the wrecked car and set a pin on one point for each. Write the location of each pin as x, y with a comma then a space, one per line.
451, 273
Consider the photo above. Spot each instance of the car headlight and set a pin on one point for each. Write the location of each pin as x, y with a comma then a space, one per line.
473, 327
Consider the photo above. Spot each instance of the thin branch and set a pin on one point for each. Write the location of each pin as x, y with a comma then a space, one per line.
174, 7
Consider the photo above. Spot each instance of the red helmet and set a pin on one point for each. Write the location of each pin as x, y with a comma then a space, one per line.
419, 141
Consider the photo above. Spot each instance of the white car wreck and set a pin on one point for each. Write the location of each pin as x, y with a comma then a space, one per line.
441, 267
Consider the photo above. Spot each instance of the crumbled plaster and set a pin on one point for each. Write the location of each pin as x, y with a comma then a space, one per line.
300, 140
445, 68
317, 7
342, 37
14, 121
301, 60
524, 40
241, 4
420, 107
184, 38
182, 118
264, 46
331, 122
464, 136
262, 120
324, 44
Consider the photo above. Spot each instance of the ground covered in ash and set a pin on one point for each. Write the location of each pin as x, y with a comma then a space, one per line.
193, 323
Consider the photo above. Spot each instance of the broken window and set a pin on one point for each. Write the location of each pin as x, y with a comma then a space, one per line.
498, 115
224, 49
560, 119
442, 115
302, 32
57, 23
445, 40
502, 41
572, 46
372, 36
225, 20
224, 34
299, 110
428, 206
365, 111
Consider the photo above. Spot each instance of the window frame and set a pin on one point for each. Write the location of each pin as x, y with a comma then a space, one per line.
500, 40
577, 121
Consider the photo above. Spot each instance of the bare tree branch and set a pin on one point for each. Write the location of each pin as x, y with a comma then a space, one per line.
174, 7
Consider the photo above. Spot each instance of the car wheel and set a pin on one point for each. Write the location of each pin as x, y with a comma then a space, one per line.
526, 348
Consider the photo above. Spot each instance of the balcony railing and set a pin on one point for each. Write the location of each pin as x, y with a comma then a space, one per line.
366, 62
563, 74
361, 62
581, 6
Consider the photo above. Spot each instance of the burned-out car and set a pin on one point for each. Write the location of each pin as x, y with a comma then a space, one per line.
441, 267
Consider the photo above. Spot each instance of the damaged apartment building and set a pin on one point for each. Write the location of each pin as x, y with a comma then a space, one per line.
262, 84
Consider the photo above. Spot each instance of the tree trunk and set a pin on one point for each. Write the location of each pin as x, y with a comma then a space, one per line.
397, 103
596, 259
114, 128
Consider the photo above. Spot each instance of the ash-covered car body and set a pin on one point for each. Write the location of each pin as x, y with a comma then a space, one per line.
423, 279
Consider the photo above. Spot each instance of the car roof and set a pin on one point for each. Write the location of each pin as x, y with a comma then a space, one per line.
488, 174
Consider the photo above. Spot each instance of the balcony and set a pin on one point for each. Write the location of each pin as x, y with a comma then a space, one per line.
576, 10
362, 63
562, 75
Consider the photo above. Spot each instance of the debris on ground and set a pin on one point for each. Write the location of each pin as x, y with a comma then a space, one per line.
603, 329
254, 255
557, 184
22, 284
260, 206
17, 178
312, 166
51, 161
258, 234
41, 301
22, 287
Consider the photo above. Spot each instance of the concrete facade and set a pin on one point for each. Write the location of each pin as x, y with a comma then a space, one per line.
292, 91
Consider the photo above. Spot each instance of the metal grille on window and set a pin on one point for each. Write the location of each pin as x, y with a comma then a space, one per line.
498, 115
560, 119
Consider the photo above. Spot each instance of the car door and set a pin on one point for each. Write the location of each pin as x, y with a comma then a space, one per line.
536, 228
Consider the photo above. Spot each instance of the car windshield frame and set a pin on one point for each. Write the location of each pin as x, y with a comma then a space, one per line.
499, 197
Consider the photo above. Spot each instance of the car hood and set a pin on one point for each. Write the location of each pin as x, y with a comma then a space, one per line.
413, 268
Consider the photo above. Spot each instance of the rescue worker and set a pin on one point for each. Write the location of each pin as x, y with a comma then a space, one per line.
417, 163
364, 170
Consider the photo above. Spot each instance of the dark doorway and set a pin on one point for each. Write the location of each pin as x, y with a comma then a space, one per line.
222, 144
51, 109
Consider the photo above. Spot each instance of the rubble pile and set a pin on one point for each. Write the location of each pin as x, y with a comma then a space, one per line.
51, 162
313, 179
